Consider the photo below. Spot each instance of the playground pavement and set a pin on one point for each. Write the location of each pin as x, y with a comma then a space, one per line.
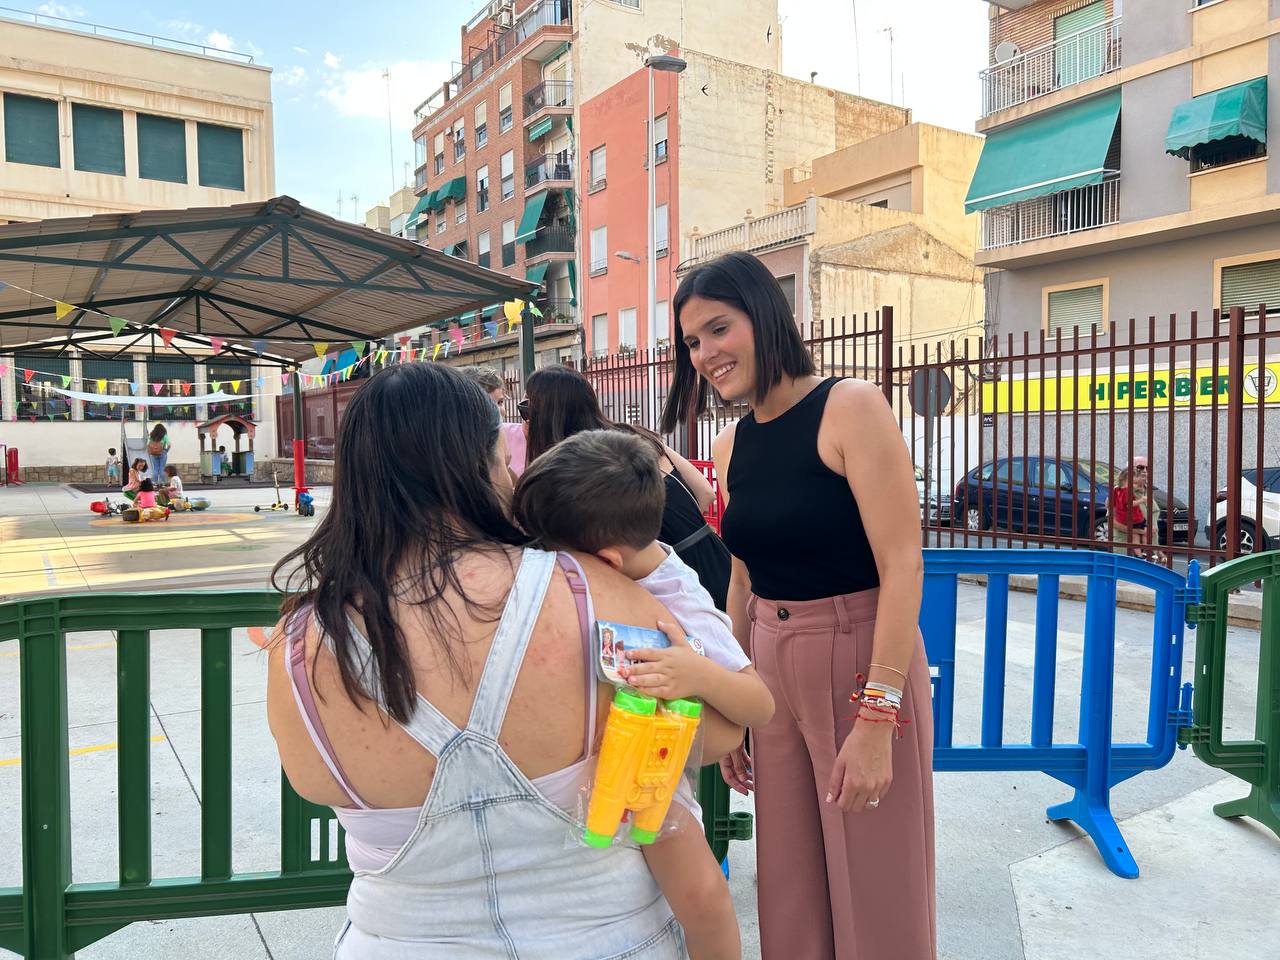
1011, 885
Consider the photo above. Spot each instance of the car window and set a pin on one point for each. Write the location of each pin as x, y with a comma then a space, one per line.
1098, 471
1272, 478
986, 471
1012, 470
1052, 474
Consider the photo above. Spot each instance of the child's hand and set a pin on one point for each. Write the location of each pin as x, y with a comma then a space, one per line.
666, 674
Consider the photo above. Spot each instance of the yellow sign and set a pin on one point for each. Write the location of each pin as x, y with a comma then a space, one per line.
1121, 389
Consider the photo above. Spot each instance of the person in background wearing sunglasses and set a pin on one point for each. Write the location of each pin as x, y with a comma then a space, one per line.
514, 434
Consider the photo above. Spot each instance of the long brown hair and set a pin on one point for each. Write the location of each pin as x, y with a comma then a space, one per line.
562, 402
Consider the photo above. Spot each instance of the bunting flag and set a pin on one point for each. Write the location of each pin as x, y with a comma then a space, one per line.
66, 380
215, 386
436, 352
133, 388
27, 375
156, 388
61, 309
235, 386
102, 386
260, 383
403, 341
533, 308
446, 349
382, 356
186, 389
4, 367
259, 346
321, 349
491, 328
456, 335
216, 344
284, 379
167, 335
117, 324
359, 346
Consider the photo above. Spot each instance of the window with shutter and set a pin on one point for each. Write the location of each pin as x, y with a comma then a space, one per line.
97, 136
162, 148
1250, 284
600, 334
1080, 307
31, 130
221, 156
627, 327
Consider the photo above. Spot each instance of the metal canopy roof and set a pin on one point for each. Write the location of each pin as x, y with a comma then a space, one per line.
271, 271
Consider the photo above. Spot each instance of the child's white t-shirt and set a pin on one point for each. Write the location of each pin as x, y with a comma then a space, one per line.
676, 585
175, 484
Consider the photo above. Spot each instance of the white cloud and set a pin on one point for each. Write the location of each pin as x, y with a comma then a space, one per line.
331, 61
363, 93
219, 40
292, 77
67, 11
186, 28
302, 50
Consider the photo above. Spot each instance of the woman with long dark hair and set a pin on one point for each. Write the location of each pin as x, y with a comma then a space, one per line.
401, 695
822, 520
158, 450
562, 402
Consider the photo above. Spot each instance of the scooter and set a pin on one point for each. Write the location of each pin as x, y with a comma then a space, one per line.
278, 504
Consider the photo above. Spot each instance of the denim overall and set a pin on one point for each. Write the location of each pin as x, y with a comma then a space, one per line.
494, 870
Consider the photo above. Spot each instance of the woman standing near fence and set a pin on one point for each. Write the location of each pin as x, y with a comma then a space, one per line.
562, 402
158, 451
823, 522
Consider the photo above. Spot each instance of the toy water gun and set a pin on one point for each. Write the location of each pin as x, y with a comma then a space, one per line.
641, 760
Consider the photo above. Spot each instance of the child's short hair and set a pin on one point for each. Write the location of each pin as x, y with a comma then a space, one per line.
147, 486
596, 489
111, 450
170, 470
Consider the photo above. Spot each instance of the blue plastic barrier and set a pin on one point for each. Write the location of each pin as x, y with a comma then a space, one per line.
1093, 764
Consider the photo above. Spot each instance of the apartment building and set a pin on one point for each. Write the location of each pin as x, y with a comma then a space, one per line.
1126, 169
97, 120
877, 222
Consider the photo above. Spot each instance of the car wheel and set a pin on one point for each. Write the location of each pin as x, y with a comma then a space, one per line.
974, 519
1101, 531
1248, 537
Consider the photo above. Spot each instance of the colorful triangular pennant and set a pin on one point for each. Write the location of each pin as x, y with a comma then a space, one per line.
61, 309
117, 324
167, 335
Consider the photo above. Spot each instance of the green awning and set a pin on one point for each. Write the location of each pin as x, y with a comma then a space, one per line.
535, 274
1238, 111
1055, 151
573, 283
532, 214
541, 127
455, 189
449, 250
419, 208
433, 200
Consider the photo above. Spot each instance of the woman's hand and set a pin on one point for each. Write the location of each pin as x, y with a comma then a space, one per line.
737, 771
863, 769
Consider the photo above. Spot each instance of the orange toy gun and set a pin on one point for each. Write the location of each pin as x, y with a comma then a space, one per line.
641, 759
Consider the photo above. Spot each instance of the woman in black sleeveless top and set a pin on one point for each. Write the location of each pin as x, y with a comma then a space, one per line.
562, 402
821, 517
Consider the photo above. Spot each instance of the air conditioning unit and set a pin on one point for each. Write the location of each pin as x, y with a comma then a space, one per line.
1007, 50
505, 20
500, 12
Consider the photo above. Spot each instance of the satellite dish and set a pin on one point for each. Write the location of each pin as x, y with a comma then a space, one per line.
1007, 50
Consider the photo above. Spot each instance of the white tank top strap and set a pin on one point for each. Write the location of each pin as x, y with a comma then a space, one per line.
506, 653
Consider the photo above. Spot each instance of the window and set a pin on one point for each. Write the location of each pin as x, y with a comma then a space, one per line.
482, 189
1079, 307
508, 242
439, 152
1226, 151
442, 221
231, 378
171, 375
221, 155
1051, 475
1011, 470
882, 204
1079, 47
627, 328
788, 285
660, 230
508, 175
597, 167
662, 323
35, 396
97, 137
419, 150
600, 334
1249, 284
633, 4
460, 212
460, 249
31, 131
162, 148
504, 108
459, 141
111, 379
482, 124
482, 248
599, 250
660, 139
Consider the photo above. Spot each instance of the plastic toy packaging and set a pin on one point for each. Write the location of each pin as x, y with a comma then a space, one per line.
648, 747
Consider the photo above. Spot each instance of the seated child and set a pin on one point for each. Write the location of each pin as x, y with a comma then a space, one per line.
146, 495
601, 492
137, 470
173, 483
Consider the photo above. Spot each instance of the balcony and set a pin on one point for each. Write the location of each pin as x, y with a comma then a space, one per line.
555, 312
1056, 215
552, 168
556, 238
1053, 66
548, 95
759, 233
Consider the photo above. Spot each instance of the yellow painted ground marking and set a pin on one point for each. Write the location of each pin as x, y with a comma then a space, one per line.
80, 750
78, 646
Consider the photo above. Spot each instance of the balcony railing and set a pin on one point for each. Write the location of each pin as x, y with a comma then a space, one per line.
556, 167
555, 312
791, 223
549, 93
551, 239
548, 13
1059, 214
1089, 53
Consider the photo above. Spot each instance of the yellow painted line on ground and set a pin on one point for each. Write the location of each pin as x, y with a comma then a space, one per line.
15, 761
78, 646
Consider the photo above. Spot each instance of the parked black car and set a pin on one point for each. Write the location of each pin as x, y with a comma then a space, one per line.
1070, 495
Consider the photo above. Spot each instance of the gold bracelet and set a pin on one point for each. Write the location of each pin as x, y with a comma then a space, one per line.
891, 670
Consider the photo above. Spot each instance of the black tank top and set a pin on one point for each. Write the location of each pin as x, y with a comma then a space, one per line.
708, 556
791, 519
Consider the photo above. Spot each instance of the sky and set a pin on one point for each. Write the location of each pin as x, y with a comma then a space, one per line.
334, 151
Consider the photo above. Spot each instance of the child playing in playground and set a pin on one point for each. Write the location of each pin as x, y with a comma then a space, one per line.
137, 470
601, 492
113, 467
173, 483
146, 495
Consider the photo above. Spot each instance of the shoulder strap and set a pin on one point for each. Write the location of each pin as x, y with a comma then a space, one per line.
577, 578
510, 641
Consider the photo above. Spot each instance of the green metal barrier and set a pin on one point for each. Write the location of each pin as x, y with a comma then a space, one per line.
50, 917
1255, 761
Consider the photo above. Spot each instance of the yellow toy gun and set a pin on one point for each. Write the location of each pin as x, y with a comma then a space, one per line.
641, 760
